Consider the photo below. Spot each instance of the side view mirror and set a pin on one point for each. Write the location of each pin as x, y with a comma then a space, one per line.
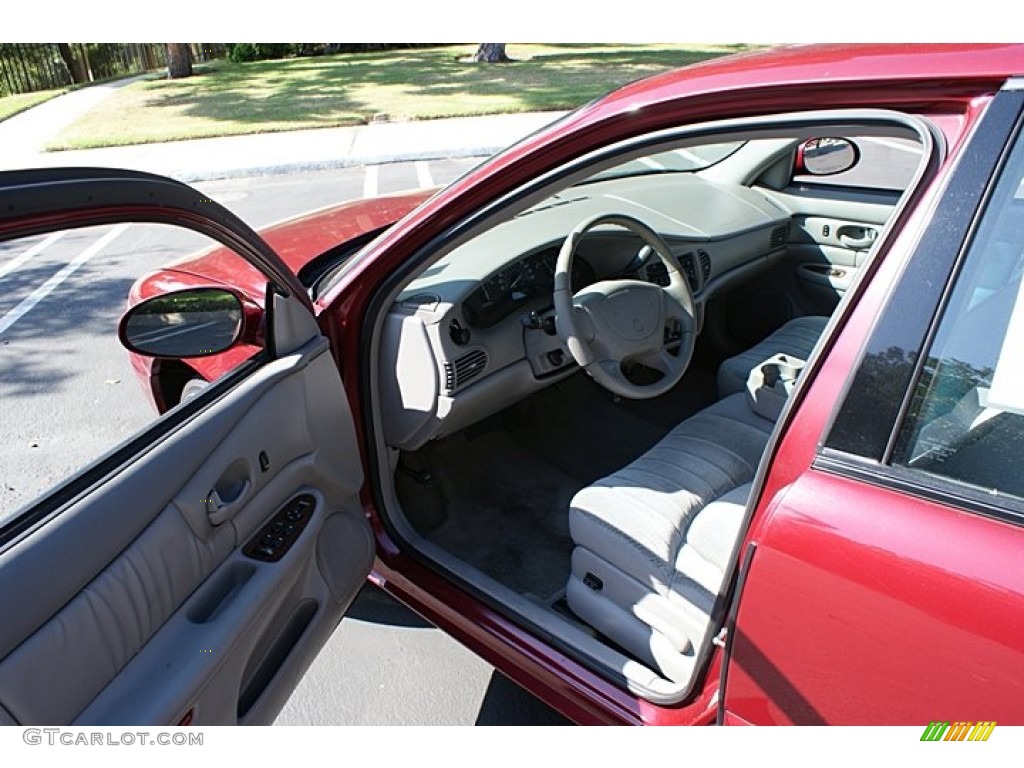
196, 322
826, 156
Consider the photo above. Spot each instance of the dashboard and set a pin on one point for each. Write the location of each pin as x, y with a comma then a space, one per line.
516, 284
474, 332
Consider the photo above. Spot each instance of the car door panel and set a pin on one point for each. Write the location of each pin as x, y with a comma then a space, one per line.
830, 238
137, 591
178, 601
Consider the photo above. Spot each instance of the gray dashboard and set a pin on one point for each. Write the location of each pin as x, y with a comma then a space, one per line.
474, 332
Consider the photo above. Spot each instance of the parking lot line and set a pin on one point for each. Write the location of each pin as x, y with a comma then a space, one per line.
370, 181
39, 247
908, 146
423, 175
40, 293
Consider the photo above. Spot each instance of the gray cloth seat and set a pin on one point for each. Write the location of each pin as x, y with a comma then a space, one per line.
653, 539
796, 338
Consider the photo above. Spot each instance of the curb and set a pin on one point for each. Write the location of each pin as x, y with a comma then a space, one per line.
253, 171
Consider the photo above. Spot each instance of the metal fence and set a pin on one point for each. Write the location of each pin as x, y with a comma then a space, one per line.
26, 67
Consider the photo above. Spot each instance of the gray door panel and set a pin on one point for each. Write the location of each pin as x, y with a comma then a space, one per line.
195, 570
131, 606
830, 239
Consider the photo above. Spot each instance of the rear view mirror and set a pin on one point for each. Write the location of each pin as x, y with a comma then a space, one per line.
827, 156
190, 323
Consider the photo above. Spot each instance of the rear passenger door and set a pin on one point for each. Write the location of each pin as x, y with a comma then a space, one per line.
883, 585
137, 589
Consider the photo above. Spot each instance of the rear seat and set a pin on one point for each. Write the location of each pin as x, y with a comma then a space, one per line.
796, 338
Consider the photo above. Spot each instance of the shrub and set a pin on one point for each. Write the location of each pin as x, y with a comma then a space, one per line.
260, 51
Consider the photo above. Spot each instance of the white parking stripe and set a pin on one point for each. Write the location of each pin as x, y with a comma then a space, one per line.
65, 272
370, 181
914, 149
39, 247
423, 175
162, 333
687, 155
652, 163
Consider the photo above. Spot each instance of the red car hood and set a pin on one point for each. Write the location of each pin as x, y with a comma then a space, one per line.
297, 241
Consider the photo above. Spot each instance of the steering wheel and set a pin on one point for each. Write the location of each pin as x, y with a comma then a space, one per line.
613, 323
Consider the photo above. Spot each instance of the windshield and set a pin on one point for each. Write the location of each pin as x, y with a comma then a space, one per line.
687, 159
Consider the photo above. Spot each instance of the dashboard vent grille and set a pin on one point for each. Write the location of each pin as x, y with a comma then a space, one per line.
464, 368
689, 263
780, 236
657, 273
705, 265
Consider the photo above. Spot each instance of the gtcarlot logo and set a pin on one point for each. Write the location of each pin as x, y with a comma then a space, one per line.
74, 738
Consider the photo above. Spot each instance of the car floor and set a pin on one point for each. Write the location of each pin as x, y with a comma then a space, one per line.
497, 495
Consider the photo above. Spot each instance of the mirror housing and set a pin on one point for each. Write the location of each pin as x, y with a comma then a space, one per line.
826, 156
195, 322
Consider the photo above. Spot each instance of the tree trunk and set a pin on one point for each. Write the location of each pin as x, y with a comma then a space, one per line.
73, 64
179, 60
85, 61
491, 53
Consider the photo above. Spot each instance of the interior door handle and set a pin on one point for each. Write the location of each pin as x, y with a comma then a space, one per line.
220, 509
857, 238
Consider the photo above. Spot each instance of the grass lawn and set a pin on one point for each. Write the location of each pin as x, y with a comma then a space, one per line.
12, 105
225, 99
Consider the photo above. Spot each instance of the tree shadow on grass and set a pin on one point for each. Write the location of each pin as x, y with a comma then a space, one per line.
321, 90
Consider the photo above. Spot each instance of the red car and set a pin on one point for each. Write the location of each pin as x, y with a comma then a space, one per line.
702, 404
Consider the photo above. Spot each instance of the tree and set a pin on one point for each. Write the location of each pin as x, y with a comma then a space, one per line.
75, 65
491, 53
179, 60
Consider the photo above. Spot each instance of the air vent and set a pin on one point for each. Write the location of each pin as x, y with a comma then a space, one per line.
464, 368
780, 236
657, 273
705, 265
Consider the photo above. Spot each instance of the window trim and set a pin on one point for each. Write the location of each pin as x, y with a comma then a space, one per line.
922, 485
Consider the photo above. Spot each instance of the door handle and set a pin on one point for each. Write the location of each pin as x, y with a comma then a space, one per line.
220, 509
857, 238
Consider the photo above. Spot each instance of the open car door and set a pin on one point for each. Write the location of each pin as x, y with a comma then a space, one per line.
192, 573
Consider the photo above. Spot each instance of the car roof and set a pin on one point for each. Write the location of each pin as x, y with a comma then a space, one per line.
794, 64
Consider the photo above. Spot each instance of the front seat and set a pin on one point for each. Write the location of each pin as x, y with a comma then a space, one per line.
652, 540
796, 338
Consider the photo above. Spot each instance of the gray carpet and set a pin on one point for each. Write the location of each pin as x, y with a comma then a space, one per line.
498, 494
505, 510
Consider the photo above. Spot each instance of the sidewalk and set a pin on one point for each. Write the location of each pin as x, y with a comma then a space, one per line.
26, 133
22, 138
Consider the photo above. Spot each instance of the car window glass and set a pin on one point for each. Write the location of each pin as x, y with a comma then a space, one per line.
684, 159
966, 421
69, 392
